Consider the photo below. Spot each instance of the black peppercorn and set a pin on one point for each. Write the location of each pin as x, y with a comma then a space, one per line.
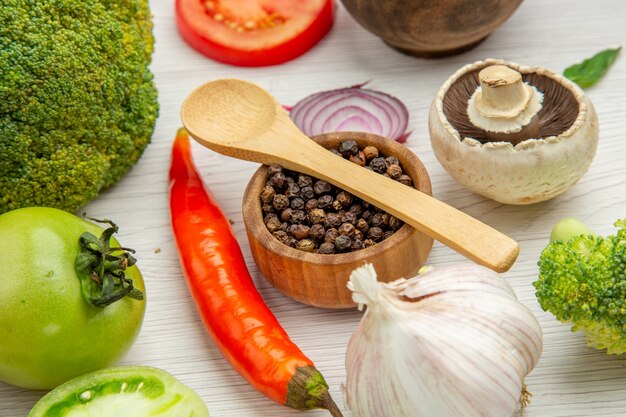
347, 217
342, 242
362, 225
280, 201
306, 245
375, 233
285, 215
368, 243
356, 209
395, 223
366, 215
307, 192
357, 244
266, 208
297, 203
267, 194
301, 231
370, 152
330, 235
377, 220
326, 248
332, 220
269, 216
274, 169
279, 180
358, 159
346, 229
317, 216
388, 234
311, 204
344, 198
281, 236
298, 216
322, 187
358, 234
378, 165
291, 241
292, 190
316, 232
273, 224
348, 147
394, 171
405, 179
304, 180
325, 201
391, 160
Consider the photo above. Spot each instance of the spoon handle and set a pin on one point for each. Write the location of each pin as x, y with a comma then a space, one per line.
457, 230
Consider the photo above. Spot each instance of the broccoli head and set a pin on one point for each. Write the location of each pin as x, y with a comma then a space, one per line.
77, 100
583, 281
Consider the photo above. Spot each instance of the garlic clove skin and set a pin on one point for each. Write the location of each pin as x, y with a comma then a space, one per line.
454, 342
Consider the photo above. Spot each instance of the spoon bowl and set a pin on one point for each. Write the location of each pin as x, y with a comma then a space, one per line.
215, 115
239, 119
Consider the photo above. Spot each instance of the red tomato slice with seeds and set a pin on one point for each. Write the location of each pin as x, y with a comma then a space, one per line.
253, 32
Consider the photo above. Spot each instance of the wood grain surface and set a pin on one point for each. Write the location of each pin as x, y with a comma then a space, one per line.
571, 380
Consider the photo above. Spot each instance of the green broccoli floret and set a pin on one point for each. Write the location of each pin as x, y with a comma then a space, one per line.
583, 282
77, 100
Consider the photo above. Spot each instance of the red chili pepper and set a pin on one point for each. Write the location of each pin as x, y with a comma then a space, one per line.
233, 312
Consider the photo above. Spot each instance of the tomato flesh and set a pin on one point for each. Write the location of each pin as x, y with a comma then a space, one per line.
124, 391
253, 32
48, 332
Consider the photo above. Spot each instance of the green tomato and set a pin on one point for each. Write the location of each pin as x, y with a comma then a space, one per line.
119, 392
49, 332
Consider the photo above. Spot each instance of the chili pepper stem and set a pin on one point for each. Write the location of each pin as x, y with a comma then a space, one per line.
329, 404
307, 390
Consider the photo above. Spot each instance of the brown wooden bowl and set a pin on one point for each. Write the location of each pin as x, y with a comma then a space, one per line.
321, 280
431, 29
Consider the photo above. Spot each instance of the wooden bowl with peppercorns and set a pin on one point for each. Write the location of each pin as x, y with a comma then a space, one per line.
307, 236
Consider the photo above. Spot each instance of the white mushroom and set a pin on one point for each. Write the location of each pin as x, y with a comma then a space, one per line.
516, 134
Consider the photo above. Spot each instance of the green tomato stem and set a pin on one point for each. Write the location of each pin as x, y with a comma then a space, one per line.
101, 267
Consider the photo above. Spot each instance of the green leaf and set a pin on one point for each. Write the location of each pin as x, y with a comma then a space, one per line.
591, 70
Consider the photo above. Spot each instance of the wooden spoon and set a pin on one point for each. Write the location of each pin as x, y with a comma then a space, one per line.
240, 119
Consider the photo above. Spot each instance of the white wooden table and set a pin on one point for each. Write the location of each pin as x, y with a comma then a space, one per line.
570, 380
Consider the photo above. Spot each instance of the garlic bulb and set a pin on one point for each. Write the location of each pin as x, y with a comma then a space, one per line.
453, 342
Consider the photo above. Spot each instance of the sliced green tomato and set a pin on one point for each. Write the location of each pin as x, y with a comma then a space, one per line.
118, 392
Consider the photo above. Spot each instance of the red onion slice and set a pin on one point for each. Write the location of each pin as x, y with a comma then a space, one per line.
352, 109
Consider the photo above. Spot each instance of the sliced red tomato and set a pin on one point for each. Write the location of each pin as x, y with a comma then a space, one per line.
254, 32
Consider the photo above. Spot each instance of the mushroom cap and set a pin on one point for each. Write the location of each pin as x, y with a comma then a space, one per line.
512, 169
